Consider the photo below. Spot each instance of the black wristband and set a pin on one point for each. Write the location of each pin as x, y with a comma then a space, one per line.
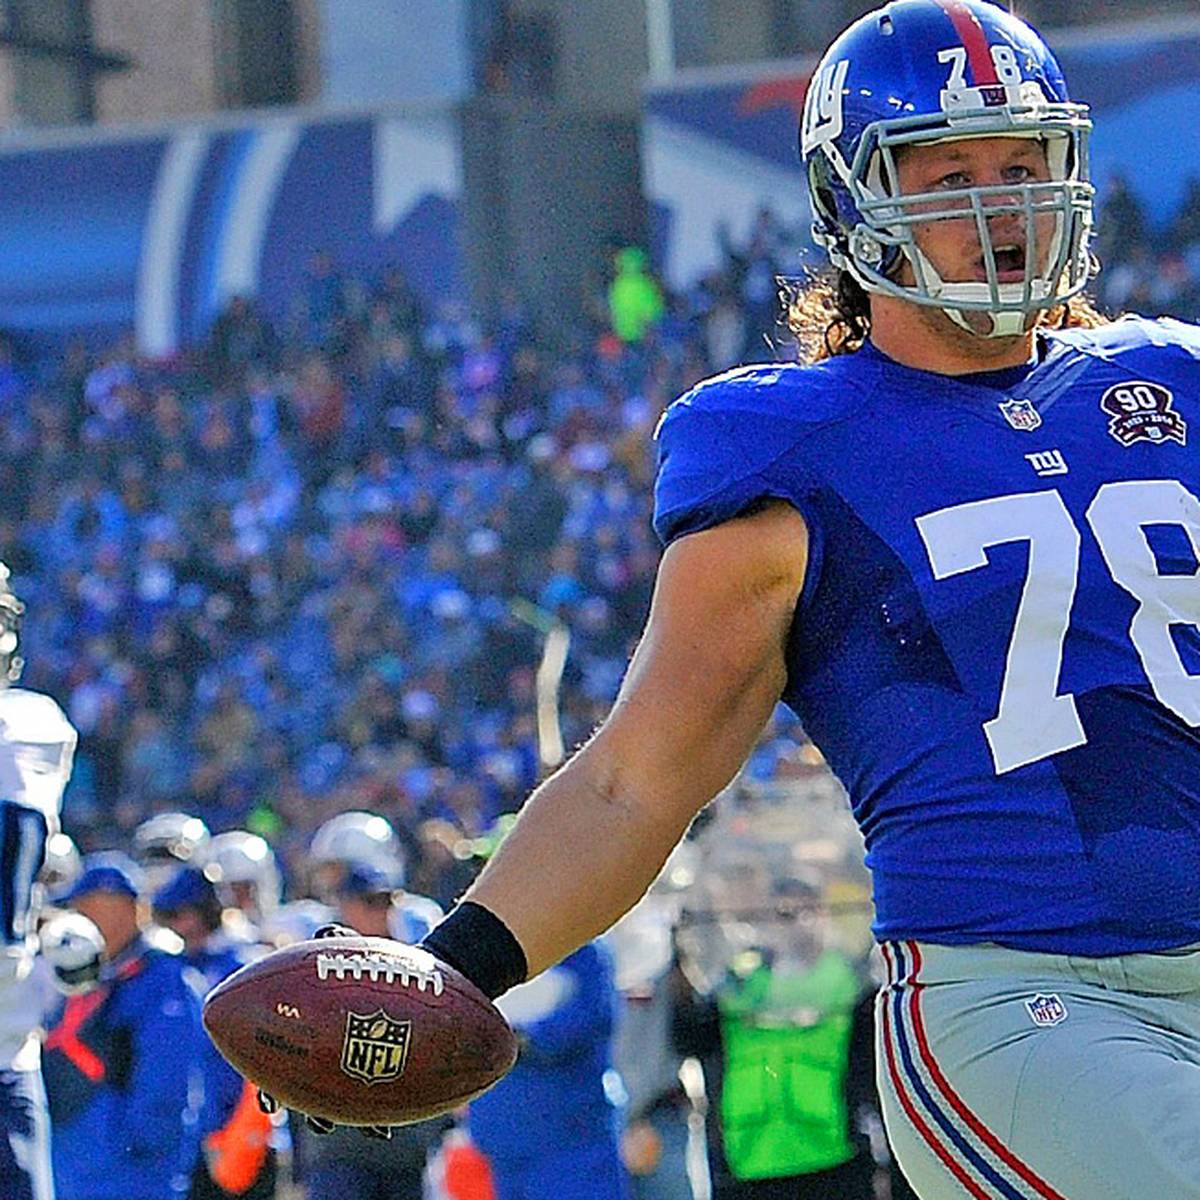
474, 941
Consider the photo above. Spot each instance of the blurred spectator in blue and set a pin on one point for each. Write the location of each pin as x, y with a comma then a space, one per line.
750, 283
12, 379
122, 1061
235, 1134
1185, 227
1121, 222
240, 338
343, 1163
325, 300
550, 1128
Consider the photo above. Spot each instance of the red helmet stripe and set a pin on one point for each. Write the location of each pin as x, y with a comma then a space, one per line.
970, 33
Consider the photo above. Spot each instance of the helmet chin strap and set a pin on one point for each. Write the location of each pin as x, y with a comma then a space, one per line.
989, 324
978, 321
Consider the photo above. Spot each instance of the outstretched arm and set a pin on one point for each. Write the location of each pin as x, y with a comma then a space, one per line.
704, 680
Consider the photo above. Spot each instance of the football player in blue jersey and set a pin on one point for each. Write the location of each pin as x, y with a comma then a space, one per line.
963, 544
37, 745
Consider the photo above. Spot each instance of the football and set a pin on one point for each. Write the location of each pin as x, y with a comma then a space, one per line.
360, 1030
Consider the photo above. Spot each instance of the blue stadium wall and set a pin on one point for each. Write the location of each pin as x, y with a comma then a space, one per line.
718, 144
155, 231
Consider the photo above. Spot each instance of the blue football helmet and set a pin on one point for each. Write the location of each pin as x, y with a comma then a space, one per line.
927, 71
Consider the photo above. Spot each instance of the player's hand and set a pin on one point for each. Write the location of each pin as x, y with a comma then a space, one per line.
641, 1148
271, 1106
333, 929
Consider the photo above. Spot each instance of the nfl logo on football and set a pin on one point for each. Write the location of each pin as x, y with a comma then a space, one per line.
1021, 414
375, 1047
1046, 1010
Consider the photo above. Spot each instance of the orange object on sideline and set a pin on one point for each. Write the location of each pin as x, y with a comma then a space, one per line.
467, 1173
237, 1152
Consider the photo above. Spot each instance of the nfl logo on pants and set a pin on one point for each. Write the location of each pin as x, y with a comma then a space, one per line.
1046, 1010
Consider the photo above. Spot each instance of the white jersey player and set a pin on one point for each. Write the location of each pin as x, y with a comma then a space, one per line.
37, 744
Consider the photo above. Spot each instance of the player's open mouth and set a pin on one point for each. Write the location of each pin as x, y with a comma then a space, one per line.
1010, 263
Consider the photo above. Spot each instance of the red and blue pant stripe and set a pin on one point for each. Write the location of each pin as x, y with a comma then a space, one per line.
985, 1167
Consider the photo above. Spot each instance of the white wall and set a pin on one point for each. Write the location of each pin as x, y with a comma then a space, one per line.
389, 51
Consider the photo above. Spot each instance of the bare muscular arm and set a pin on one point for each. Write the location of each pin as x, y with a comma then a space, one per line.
702, 683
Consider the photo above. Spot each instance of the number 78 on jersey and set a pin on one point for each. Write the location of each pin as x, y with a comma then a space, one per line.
1034, 720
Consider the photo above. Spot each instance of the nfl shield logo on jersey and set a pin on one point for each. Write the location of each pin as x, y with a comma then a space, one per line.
1021, 414
1046, 1010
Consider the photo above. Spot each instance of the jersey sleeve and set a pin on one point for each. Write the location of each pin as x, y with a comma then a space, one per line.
737, 439
37, 748
720, 448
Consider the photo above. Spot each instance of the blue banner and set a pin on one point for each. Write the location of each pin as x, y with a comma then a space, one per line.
156, 232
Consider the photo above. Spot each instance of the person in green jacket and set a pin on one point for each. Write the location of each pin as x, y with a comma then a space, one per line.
635, 301
776, 1042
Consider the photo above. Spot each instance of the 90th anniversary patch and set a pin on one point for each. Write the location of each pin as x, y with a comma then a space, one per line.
375, 1047
1141, 411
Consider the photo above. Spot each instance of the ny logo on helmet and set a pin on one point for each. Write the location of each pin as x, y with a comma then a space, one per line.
375, 1047
823, 105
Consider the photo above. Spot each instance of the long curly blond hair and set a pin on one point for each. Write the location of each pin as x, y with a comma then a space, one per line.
829, 313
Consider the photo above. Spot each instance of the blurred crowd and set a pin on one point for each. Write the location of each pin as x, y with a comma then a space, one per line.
673, 1059
1150, 270
303, 574
309, 565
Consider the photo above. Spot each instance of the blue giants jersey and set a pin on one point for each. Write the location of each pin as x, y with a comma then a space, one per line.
997, 643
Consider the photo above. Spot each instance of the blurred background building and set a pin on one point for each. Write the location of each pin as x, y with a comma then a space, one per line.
106, 61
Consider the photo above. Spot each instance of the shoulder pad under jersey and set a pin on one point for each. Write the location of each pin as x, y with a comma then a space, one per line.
718, 444
37, 746
1131, 334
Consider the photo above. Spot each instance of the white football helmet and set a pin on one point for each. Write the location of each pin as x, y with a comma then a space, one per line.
165, 842
242, 866
359, 837
74, 948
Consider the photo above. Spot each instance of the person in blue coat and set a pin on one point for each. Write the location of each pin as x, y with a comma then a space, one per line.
235, 1136
122, 1061
550, 1128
